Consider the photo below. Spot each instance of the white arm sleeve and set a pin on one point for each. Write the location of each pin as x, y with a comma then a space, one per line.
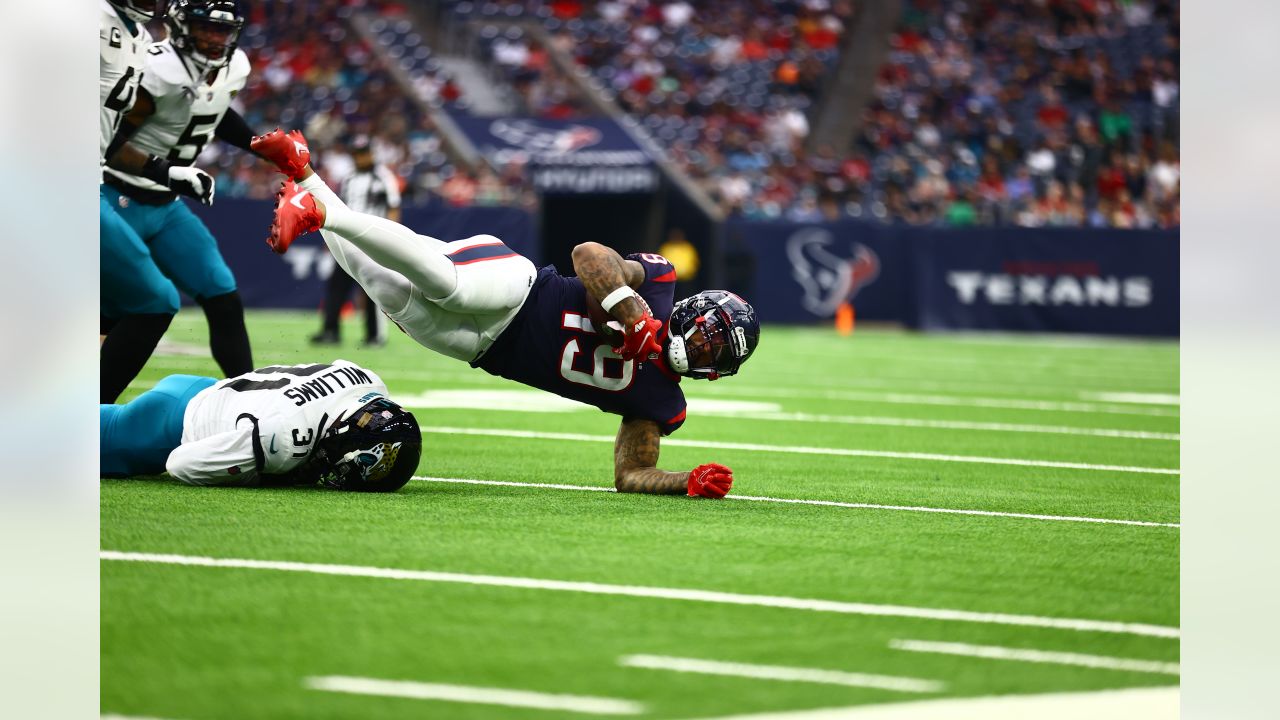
222, 459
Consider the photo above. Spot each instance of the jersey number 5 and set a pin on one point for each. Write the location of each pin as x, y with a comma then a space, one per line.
596, 378
193, 139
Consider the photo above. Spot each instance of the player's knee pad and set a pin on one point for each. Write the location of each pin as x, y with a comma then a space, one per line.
157, 298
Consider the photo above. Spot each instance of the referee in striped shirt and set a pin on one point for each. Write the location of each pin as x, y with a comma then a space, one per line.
375, 190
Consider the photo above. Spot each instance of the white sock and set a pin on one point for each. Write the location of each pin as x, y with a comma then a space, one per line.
322, 191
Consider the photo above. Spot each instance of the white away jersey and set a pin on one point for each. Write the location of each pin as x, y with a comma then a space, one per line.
121, 56
188, 107
266, 421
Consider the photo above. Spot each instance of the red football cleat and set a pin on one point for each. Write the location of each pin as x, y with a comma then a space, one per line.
296, 214
288, 151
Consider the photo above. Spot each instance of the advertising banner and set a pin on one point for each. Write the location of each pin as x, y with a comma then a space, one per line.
585, 155
1032, 279
1046, 279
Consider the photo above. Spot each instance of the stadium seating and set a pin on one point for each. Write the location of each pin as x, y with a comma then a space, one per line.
722, 85
982, 112
311, 70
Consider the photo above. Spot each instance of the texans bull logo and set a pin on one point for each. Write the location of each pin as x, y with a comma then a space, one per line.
828, 279
531, 137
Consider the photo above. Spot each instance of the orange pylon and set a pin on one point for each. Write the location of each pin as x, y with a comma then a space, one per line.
845, 319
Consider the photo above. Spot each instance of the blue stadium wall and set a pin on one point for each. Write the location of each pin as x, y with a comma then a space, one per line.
1026, 279
1122, 282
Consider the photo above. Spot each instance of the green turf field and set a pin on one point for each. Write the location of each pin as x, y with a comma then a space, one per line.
1068, 431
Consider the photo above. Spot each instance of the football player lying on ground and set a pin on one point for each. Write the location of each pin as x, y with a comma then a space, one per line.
283, 425
478, 301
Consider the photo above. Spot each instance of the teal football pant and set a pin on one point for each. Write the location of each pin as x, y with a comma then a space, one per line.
187, 253
132, 284
183, 248
137, 437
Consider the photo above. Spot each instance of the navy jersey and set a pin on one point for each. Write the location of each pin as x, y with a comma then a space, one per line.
551, 345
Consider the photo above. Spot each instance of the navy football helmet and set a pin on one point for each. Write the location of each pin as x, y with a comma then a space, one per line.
206, 32
711, 334
139, 11
374, 449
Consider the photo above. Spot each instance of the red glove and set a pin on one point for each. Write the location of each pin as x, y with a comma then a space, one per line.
710, 480
641, 339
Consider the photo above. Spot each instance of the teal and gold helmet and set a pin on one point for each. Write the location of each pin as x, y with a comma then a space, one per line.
374, 449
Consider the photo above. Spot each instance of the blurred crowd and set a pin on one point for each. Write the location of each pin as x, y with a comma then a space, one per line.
311, 70
1035, 113
1046, 113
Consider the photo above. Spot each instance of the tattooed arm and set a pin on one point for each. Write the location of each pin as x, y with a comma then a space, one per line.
602, 270
635, 455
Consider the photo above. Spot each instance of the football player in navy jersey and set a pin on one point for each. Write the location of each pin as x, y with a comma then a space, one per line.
478, 301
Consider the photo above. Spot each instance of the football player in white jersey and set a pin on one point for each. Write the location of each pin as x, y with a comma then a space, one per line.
327, 424
123, 46
139, 300
184, 101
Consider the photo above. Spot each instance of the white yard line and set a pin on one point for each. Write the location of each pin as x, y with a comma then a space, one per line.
689, 595
781, 673
824, 503
1137, 398
1159, 703
942, 400
535, 401
949, 424
474, 695
802, 450
1012, 389
995, 652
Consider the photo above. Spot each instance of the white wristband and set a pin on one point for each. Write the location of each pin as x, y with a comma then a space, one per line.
616, 297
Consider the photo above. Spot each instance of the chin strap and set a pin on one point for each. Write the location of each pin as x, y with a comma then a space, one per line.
677, 357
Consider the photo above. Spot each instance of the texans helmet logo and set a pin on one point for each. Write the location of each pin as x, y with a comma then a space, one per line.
828, 278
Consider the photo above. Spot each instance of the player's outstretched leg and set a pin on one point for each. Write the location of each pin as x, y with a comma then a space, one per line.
479, 275
306, 204
299, 212
421, 259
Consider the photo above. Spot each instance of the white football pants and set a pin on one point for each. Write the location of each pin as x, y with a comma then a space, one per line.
456, 308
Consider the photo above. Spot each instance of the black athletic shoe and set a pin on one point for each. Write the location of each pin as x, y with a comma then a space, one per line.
326, 337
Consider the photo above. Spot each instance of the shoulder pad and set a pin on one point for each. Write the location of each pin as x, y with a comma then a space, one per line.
165, 74
238, 69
